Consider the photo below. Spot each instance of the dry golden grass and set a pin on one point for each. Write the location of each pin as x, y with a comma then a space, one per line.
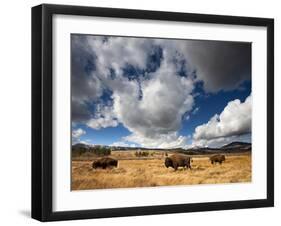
152, 172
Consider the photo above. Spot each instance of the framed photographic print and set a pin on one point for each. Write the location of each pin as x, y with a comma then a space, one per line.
145, 112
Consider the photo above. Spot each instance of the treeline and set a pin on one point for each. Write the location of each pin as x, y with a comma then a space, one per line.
141, 153
147, 153
98, 151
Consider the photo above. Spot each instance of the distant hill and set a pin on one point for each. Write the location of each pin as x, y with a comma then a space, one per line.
80, 146
237, 145
233, 147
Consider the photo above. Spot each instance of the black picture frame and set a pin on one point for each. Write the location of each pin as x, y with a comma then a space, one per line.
42, 107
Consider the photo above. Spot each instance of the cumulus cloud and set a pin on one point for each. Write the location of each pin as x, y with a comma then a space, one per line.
97, 65
116, 52
76, 134
165, 98
235, 120
104, 117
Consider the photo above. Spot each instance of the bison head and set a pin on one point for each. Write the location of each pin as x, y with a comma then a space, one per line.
168, 162
95, 164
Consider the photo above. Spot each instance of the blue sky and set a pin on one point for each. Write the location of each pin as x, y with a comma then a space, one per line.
160, 93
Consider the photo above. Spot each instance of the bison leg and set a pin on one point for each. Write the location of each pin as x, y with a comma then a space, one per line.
175, 166
187, 166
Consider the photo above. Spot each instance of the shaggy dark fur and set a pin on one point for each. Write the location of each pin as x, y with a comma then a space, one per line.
178, 160
105, 163
217, 158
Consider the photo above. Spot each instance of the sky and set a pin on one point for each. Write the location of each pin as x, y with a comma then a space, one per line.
160, 93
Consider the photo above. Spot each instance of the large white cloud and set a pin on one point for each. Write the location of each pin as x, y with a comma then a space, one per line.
235, 120
165, 98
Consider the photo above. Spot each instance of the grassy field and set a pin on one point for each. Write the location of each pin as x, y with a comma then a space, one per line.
146, 172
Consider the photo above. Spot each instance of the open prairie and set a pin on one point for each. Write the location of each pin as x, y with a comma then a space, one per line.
150, 171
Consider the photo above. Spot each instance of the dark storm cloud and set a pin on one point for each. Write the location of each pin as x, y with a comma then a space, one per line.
84, 86
79, 112
220, 65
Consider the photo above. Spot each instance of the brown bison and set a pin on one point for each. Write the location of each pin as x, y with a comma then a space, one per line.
178, 160
217, 158
105, 163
